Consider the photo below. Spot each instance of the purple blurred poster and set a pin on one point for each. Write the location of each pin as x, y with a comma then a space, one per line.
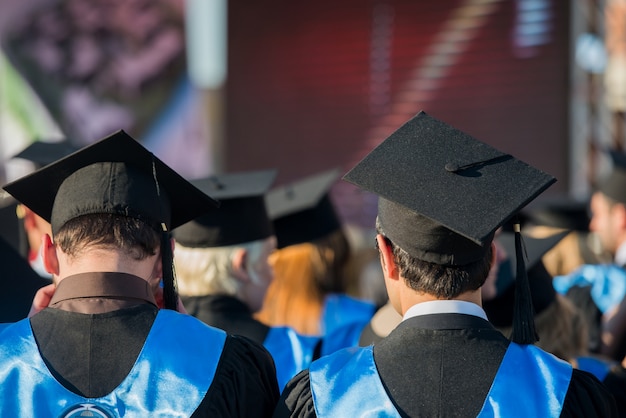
103, 65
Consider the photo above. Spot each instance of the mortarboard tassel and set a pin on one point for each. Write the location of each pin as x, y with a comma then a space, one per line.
523, 315
170, 293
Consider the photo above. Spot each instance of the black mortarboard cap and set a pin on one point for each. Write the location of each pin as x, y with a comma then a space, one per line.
613, 184
43, 153
242, 216
500, 309
302, 211
559, 212
11, 227
442, 195
115, 175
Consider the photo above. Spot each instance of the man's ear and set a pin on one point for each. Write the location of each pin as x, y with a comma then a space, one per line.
49, 255
494, 254
620, 209
388, 264
239, 264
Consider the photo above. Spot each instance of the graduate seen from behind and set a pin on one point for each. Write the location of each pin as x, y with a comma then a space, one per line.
442, 195
103, 347
224, 272
312, 281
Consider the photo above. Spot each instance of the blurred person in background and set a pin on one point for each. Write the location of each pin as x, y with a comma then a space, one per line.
33, 227
21, 237
311, 280
599, 288
223, 269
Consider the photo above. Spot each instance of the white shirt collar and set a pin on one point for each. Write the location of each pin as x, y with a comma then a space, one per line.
620, 255
445, 306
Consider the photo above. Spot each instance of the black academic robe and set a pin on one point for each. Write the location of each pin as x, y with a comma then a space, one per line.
91, 354
227, 313
615, 382
444, 365
19, 283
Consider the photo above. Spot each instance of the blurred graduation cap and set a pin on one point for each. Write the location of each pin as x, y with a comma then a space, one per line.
442, 195
242, 216
500, 309
42, 153
559, 212
11, 228
613, 184
115, 175
302, 211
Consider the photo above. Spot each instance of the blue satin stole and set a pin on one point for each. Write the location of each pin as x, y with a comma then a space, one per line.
292, 352
600, 368
529, 383
170, 377
341, 310
607, 281
347, 335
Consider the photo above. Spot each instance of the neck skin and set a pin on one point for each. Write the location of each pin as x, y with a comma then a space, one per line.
403, 297
95, 259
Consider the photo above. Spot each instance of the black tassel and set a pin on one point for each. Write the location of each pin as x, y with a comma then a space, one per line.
523, 315
170, 293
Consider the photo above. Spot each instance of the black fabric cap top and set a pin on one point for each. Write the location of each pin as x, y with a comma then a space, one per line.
614, 184
303, 211
442, 193
242, 216
114, 175
43, 153
500, 309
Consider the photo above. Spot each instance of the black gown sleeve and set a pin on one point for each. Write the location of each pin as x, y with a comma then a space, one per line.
586, 397
296, 399
245, 382
615, 382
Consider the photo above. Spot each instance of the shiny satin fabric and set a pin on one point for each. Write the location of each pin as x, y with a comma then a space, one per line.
529, 383
341, 310
343, 337
347, 384
599, 367
169, 379
607, 282
292, 352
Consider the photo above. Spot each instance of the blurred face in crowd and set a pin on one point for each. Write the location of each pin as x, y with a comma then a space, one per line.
608, 221
260, 275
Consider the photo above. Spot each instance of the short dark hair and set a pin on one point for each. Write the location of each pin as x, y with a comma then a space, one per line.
441, 281
133, 236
